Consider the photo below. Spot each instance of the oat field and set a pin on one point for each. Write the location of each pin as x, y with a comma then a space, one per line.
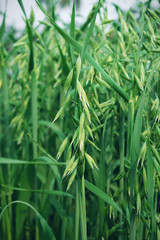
80, 126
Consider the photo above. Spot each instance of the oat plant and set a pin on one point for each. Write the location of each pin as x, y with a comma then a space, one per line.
80, 126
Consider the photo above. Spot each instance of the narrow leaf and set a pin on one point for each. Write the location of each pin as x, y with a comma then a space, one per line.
99, 193
72, 30
46, 228
51, 192
89, 32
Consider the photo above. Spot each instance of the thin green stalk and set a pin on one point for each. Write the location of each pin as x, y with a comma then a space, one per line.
84, 208
81, 217
121, 146
102, 178
35, 133
77, 213
130, 127
82, 203
34, 112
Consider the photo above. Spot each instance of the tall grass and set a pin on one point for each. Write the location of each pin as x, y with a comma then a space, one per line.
80, 128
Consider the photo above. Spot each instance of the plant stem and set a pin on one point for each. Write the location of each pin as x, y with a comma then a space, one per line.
121, 146
84, 208
77, 213
34, 112
102, 179
35, 134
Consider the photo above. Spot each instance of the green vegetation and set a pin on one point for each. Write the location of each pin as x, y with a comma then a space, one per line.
80, 128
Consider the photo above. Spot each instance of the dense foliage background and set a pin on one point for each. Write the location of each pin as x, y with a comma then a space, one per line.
80, 127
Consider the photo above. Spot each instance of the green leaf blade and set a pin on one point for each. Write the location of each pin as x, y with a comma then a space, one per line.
99, 193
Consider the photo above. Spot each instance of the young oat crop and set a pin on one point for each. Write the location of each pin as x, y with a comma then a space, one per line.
80, 127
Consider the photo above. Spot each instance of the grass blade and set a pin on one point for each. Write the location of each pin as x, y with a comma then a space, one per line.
64, 63
99, 193
24, 162
72, 30
89, 32
46, 228
45, 191
2, 28
135, 145
30, 37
